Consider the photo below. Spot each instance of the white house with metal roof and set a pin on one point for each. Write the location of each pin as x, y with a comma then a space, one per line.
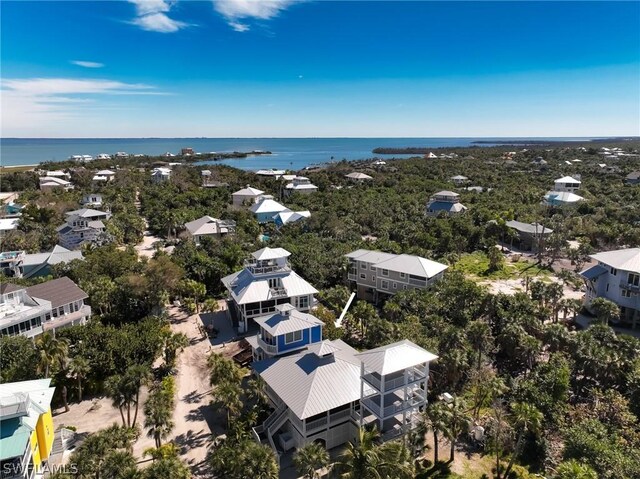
160, 175
301, 185
247, 195
208, 227
326, 391
83, 226
266, 281
563, 193
376, 275
616, 277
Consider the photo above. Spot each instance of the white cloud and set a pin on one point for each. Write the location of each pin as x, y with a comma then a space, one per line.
36, 104
85, 64
235, 10
152, 16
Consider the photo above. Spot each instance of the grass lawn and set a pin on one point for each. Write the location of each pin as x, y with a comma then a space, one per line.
476, 265
16, 169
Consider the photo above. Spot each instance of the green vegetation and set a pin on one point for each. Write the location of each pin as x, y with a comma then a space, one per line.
477, 265
553, 401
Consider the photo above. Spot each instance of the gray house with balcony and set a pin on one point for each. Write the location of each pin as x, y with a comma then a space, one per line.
326, 391
266, 281
616, 277
376, 275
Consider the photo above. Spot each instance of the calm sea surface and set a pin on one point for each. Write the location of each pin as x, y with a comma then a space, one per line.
292, 153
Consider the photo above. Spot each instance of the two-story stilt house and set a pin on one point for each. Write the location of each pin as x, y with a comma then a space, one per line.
266, 281
326, 391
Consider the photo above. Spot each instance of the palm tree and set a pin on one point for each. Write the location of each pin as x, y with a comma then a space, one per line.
138, 376
366, 460
309, 459
436, 419
158, 413
119, 396
172, 344
525, 418
457, 421
79, 369
479, 335
605, 310
223, 370
50, 350
573, 469
227, 394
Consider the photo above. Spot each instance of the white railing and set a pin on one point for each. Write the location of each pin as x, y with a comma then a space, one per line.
316, 424
269, 348
371, 379
267, 269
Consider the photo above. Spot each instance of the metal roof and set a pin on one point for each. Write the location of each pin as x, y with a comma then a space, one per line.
531, 228
59, 291
248, 191
358, 176
206, 226
291, 216
395, 357
369, 256
562, 197
414, 265
310, 383
622, 259
567, 179
86, 213
15, 432
267, 206
446, 193
270, 253
287, 322
245, 288
593, 272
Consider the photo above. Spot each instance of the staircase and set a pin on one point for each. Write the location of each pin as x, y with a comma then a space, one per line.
276, 424
62, 440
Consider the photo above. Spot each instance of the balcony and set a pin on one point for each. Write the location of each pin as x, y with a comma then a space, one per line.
418, 282
630, 286
67, 319
413, 375
258, 269
268, 348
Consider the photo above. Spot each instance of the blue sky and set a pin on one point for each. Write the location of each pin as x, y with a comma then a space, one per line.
245, 68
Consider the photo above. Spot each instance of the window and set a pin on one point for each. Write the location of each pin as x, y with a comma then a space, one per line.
303, 302
403, 275
614, 271
61, 311
373, 278
395, 285
626, 293
293, 337
363, 266
634, 279
47, 317
385, 272
607, 287
404, 286
363, 276
385, 284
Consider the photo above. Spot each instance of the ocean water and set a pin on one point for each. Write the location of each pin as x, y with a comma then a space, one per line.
288, 153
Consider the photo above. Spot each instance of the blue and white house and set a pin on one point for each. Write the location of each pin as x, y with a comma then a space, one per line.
266, 208
285, 331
